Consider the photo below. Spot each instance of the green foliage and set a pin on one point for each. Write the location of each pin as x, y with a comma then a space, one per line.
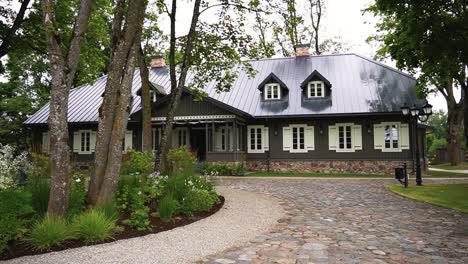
39, 188
198, 201
94, 225
110, 210
77, 202
49, 232
25, 84
132, 200
38, 183
40, 166
223, 169
437, 143
15, 214
430, 36
140, 163
181, 162
168, 207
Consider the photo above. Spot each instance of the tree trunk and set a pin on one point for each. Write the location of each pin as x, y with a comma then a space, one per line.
455, 122
62, 72
111, 128
161, 163
147, 134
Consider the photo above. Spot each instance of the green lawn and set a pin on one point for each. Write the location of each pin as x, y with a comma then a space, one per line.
447, 166
331, 175
443, 174
453, 196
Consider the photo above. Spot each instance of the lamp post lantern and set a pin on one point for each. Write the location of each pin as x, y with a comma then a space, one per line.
422, 114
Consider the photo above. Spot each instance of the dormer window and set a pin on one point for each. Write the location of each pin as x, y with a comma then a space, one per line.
272, 91
315, 89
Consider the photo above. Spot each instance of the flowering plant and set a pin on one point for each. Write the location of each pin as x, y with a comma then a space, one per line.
11, 165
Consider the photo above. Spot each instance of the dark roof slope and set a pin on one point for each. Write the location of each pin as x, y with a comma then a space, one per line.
359, 85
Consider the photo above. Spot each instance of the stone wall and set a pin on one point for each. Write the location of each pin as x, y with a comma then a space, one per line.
333, 166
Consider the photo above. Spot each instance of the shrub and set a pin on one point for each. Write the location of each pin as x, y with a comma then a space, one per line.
11, 166
198, 201
132, 199
77, 202
51, 231
181, 162
224, 169
138, 163
93, 226
39, 187
110, 210
15, 214
168, 207
40, 166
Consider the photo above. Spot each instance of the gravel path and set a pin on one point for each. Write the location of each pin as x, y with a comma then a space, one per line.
243, 216
354, 221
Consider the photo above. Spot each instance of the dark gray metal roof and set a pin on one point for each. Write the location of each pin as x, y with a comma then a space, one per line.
359, 85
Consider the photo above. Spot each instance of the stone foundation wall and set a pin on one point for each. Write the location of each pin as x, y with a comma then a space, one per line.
329, 166
82, 166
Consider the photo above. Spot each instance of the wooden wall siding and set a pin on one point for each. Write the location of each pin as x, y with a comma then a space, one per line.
187, 107
225, 156
321, 151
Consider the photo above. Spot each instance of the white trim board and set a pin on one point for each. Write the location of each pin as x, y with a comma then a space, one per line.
201, 117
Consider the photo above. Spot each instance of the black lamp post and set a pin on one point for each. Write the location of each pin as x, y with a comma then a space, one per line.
422, 114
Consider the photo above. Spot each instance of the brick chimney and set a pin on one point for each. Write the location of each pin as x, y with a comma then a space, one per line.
302, 50
157, 61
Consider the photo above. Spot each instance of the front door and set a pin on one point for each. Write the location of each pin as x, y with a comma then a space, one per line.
198, 143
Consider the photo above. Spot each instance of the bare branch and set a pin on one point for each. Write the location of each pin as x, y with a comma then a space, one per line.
12, 31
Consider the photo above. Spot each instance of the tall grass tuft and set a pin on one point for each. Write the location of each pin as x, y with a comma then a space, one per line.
94, 226
49, 232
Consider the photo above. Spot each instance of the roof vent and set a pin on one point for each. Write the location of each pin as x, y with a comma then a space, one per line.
157, 61
302, 50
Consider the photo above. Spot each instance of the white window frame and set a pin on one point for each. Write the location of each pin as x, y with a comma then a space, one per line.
313, 86
391, 148
344, 125
271, 87
80, 134
256, 135
298, 150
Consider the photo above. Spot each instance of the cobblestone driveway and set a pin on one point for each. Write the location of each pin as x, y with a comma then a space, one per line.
351, 221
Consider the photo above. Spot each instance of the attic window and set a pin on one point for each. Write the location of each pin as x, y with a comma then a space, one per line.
315, 89
272, 91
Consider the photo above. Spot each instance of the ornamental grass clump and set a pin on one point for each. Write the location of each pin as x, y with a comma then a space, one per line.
94, 226
168, 207
49, 232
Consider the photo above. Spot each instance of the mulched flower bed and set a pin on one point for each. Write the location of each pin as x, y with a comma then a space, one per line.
20, 248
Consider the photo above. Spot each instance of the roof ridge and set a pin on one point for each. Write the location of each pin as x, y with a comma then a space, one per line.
384, 65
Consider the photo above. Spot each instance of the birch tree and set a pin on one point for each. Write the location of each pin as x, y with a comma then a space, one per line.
63, 65
114, 111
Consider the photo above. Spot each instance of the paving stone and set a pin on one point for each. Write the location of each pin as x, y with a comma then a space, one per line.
351, 221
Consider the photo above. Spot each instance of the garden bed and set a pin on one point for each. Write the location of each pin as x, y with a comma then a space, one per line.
17, 249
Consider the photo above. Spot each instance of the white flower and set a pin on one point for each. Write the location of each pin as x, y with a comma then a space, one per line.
139, 193
78, 180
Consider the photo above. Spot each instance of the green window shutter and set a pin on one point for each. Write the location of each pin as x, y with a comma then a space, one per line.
357, 137
76, 141
287, 138
265, 139
332, 138
404, 136
378, 136
309, 138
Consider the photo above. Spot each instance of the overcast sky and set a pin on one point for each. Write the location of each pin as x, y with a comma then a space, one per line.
343, 18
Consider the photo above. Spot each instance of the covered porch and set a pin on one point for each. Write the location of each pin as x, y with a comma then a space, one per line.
212, 138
